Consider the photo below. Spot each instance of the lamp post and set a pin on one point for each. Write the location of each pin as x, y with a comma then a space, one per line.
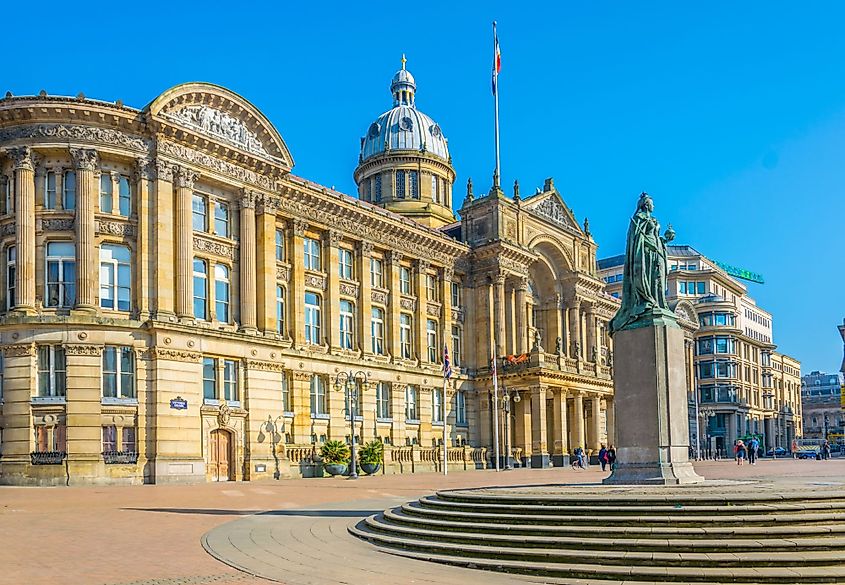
272, 427
706, 412
349, 383
769, 398
506, 406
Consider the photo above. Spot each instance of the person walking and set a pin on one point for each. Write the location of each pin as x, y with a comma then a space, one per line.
793, 448
739, 451
603, 458
826, 450
611, 457
753, 446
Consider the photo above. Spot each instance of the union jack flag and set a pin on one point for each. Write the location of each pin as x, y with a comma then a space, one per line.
447, 363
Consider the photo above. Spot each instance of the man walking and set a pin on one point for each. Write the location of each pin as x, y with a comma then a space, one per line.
753, 445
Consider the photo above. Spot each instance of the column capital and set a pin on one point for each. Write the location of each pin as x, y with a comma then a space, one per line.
366, 247
299, 227
144, 169
248, 199
393, 257
423, 265
448, 273
164, 170
185, 178
500, 279
335, 236
84, 159
266, 204
22, 157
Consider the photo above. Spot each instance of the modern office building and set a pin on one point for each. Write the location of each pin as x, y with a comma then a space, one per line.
821, 400
744, 386
177, 305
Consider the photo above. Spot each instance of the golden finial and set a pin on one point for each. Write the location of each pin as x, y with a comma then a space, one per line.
404, 60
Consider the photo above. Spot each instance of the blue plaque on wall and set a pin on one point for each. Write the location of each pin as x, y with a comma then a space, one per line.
178, 403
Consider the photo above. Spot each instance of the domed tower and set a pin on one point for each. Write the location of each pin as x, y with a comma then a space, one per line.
404, 164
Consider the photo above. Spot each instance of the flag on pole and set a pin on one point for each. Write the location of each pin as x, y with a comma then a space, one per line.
497, 59
447, 363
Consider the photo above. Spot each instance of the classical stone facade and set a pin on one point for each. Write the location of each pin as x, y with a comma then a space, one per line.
177, 304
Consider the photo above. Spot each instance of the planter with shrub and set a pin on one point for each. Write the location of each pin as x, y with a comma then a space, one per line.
371, 456
335, 456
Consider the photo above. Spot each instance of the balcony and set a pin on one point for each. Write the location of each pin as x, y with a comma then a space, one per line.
47, 457
120, 457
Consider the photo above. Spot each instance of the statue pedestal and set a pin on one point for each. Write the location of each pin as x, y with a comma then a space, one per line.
650, 395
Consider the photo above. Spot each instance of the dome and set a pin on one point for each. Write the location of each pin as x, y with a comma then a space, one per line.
404, 127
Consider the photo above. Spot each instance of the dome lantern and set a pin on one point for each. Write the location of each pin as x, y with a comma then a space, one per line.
403, 87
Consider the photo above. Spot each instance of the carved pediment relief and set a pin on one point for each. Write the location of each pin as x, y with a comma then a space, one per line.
554, 210
220, 125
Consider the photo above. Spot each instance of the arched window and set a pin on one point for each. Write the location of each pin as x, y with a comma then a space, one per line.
115, 277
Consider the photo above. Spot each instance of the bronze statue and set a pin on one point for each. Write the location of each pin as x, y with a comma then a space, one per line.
644, 277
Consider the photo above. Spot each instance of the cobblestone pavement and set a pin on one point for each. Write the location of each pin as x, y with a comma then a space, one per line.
151, 535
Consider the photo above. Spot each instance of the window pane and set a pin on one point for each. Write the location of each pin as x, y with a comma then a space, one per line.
125, 201
69, 195
198, 213
105, 193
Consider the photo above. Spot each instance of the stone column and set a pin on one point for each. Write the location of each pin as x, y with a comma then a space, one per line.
185, 180
143, 178
86, 162
539, 440
611, 421
332, 304
591, 335
490, 349
296, 289
248, 272
20, 365
522, 425
578, 421
521, 329
393, 259
575, 329
397, 411
266, 267
561, 429
446, 314
500, 315
596, 423
421, 317
162, 261
365, 296
25, 222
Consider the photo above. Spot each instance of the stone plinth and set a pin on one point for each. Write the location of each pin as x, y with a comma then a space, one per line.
652, 427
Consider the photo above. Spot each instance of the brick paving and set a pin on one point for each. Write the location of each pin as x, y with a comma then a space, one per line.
151, 535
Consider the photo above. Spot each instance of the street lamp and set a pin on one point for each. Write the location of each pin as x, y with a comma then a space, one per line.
349, 383
272, 427
706, 412
506, 406
769, 405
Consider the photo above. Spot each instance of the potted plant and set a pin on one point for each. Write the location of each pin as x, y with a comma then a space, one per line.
335, 456
371, 456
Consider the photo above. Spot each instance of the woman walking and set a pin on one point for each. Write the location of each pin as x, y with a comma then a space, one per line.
603, 458
740, 450
611, 457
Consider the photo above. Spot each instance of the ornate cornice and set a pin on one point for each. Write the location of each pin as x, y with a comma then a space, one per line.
204, 244
68, 132
84, 350
19, 350
215, 164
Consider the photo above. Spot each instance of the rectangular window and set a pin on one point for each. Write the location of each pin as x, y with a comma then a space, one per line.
376, 273
319, 401
280, 246
312, 254
11, 270
222, 225
344, 257
50, 190
51, 371
460, 408
405, 335
700, 288
109, 439
199, 213
400, 184
106, 193
124, 196
377, 194
383, 400
209, 378
230, 381
280, 310
49, 439
456, 294
61, 274
411, 403
200, 289
437, 405
69, 190
118, 372
222, 289
405, 280
434, 194
414, 180
347, 320
431, 340
431, 287
456, 346
115, 277
287, 402
377, 330
129, 444
312, 318
9, 202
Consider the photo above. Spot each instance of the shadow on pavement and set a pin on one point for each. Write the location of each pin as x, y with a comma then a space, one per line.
215, 512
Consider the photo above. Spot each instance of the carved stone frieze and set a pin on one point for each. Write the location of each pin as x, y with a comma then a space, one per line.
282, 273
7, 229
114, 228
302, 376
423, 265
432, 309
203, 244
176, 355
408, 304
315, 281
215, 164
219, 124
85, 350
85, 159
448, 274
145, 168
67, 132
19, 350
553, 210
379, 296
349, 289
54, 224
366, 248
265, 204
334, 238
393, 257
249, 198
457, 314
264, 366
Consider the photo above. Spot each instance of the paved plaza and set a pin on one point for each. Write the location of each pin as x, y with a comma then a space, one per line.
155, 535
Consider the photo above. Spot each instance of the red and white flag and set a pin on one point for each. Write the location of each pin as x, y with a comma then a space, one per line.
497, 59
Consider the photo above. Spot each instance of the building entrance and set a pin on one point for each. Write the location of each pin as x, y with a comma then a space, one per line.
220, 455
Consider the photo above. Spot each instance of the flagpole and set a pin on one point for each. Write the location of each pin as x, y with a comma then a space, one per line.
445, 428
495, 410
497, 174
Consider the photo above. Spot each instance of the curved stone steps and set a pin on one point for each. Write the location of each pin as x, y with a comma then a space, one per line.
399, 516
600, 571
379, 523
623, 520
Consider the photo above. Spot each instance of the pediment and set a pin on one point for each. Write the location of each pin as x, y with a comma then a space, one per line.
550, 206
222, 116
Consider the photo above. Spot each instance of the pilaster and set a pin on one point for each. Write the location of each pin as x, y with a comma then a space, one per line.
560, 425
595, 423
86, 161
397, 408
332, 243
248, 272
163, 261
578, 438
421, 316
393, 259
365, 300
521, 332
539, 442
84, 428
301, 402
266, 269
296, 290
144, 180
185, 180
500, 315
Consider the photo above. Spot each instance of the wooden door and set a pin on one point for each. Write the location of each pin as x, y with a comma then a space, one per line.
220, 455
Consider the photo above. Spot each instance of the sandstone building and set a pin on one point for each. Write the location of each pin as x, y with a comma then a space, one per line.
177, 304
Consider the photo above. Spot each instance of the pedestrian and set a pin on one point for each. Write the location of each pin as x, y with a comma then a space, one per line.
603, 458
739, 451
826, 450
753, 446
793, 448
611, 457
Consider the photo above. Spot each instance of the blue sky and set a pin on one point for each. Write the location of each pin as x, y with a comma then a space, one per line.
732, 115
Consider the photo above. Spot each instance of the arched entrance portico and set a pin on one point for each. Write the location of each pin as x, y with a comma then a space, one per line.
221, 455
